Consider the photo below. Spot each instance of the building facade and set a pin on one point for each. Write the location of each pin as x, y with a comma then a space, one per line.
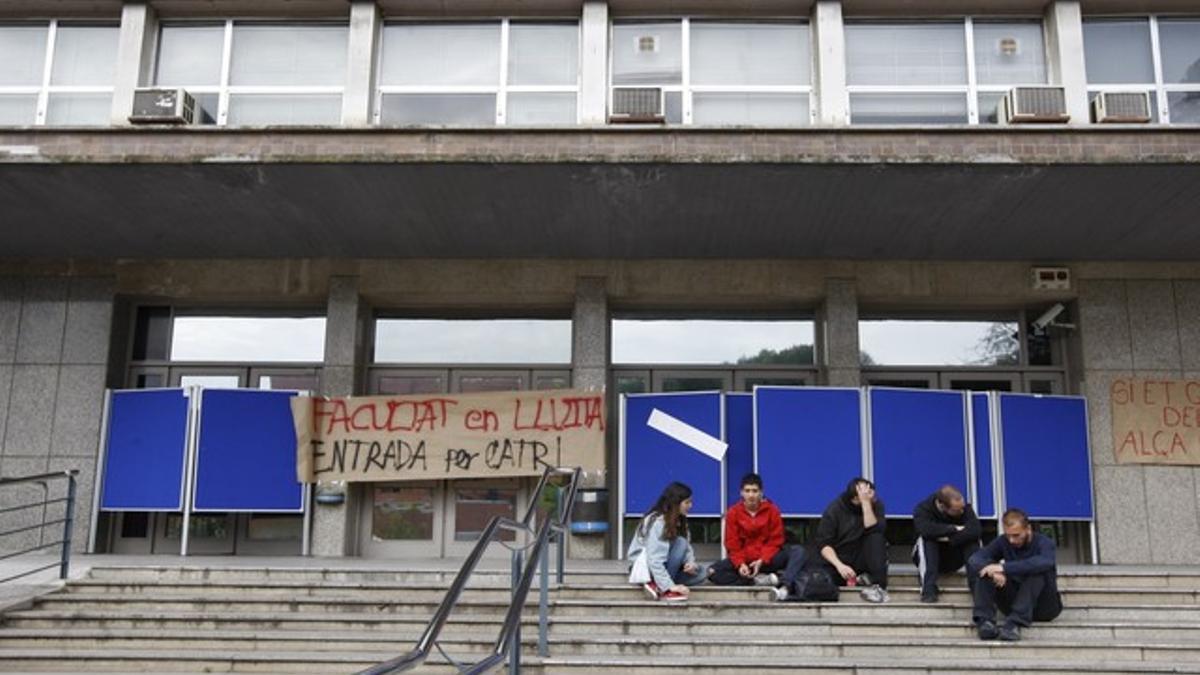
419, 197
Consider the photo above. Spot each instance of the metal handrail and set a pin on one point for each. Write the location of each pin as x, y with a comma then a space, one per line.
508, 641
67, 521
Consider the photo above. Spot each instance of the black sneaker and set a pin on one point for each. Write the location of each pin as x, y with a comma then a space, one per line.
1010, 633
929, 595
987, 630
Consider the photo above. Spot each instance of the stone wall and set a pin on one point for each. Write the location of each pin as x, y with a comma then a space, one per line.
1147, 328
54, 348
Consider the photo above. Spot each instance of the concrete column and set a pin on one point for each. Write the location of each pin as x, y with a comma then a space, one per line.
829, 63
347, 315
135, 57
593, 66
54, 338
589, 370
838, 334
363, 46
1064, 52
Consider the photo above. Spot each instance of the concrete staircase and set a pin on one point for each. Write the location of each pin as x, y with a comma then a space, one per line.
159, 618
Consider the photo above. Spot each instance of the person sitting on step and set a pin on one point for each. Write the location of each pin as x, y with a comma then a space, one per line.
663, 537
850, 541
754, 541
947, 535
1016, 573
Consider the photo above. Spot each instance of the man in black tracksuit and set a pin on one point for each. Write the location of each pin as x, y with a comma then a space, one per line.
1017, 572
947, 535
849, 540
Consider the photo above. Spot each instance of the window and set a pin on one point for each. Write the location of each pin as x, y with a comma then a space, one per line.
904, 342
939, 72
713, 341
459, 341
57, 73
248, 339
719, 73
1121, 56
479, 74
250, 73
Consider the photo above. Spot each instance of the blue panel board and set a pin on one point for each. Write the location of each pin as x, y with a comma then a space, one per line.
147, 446
653, 459
918, 442
739, 434
808, 444
1045, 442
246, 458
985, 493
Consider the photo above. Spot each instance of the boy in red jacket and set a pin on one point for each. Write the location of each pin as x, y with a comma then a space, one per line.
754, 540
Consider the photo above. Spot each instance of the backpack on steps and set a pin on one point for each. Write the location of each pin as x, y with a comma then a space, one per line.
814, 586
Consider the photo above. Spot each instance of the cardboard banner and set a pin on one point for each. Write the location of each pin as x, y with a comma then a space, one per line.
1156, 421
424, 437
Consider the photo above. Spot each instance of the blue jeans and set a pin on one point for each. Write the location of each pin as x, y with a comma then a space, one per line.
678, 554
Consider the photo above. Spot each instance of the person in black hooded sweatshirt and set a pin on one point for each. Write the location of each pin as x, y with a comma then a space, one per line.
947, 536
849, 541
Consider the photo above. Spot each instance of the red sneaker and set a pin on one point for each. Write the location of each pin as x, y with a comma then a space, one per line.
651, 590
673, 596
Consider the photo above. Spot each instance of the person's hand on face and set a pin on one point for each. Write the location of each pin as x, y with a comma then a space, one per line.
864, 492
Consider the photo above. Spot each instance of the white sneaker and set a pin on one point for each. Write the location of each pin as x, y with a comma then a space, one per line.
767, 580
781, 594
875, 594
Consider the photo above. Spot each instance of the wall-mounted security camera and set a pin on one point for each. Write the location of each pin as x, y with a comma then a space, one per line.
1046, 320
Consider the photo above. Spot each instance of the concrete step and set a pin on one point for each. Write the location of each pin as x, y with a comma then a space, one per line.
756, 612
678, 625
827, 666
372, 622
463, 643
236, 603
954, 591
413, 592
730, 610
899, 592
1085, 576
498, 576
191, 661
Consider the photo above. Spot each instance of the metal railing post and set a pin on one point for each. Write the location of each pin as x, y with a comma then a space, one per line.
68, 525
514, 649
561, 553
522, 582
544, 605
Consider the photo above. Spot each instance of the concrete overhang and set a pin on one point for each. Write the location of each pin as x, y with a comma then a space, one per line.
1053, 194
485, 8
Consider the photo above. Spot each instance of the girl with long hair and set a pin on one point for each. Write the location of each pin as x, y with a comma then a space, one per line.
663, 538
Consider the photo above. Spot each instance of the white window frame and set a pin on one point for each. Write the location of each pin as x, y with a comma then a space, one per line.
686, 89
972, 89
1159, 90
44, 90
502, 89
225, 90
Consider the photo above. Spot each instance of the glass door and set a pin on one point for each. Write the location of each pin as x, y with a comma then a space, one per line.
403, 520
981, 381
692, 380
471, 504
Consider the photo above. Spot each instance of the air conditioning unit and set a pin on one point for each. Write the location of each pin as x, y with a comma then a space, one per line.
1121, 107
163, 106
636, 104
1023, 105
